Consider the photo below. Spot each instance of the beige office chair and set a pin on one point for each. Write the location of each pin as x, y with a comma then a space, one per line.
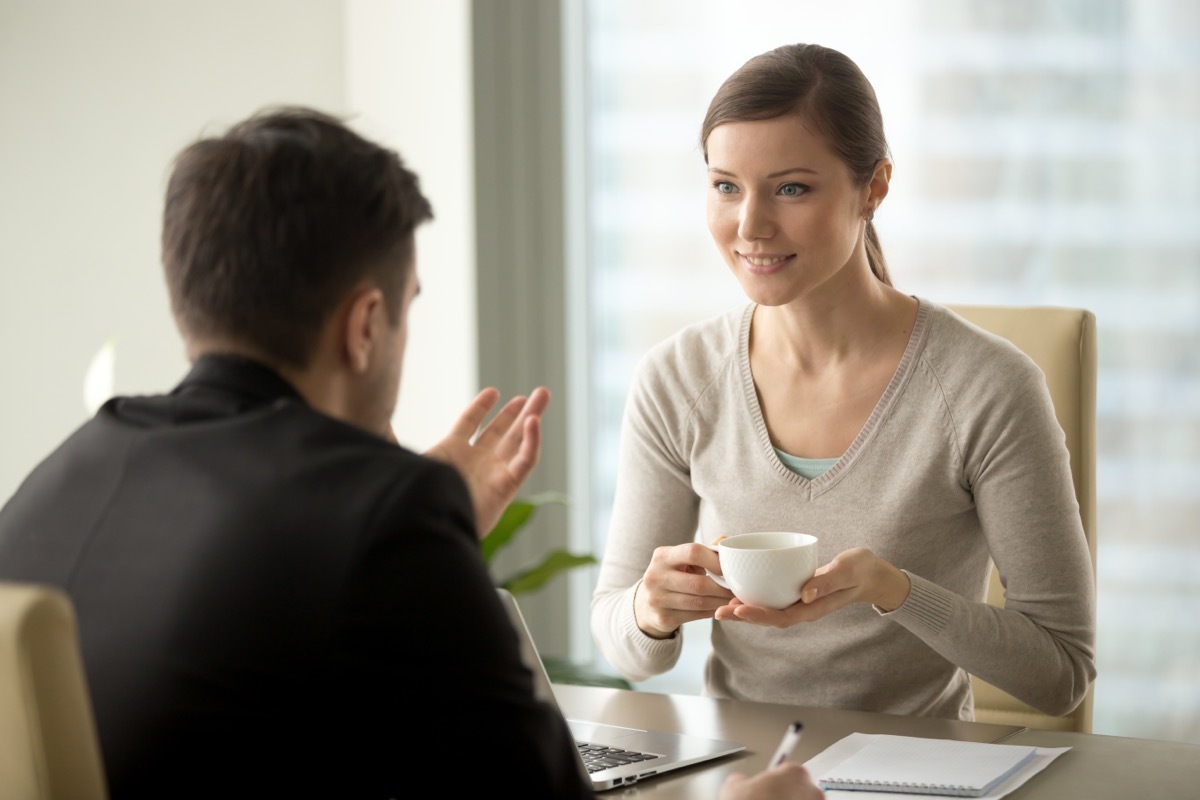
1062, 341
48, 744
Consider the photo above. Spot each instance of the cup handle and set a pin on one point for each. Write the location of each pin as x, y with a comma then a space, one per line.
720, 581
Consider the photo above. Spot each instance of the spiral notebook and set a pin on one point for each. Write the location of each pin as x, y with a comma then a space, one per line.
914, 765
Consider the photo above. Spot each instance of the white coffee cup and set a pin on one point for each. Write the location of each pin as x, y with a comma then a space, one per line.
766, 568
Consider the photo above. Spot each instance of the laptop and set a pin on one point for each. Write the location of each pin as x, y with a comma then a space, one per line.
610, 755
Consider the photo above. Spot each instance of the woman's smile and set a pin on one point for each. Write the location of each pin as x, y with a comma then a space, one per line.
764, 264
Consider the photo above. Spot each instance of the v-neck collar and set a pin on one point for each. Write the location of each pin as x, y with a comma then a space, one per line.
903, 370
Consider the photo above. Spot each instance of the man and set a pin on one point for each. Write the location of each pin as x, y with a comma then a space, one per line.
274, 597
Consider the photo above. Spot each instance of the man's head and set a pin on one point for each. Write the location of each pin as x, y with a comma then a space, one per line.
267, 228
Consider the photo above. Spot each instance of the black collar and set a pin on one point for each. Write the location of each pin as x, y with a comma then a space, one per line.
251, 380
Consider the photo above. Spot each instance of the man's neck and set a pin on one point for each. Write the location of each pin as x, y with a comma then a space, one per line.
325, 383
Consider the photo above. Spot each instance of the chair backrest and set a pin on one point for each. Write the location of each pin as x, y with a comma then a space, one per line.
48, 744
1062, 341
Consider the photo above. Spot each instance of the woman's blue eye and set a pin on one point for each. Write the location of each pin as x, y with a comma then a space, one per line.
792, 189
724, 187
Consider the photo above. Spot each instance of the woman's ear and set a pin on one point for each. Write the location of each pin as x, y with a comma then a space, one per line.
877, 186
365, 314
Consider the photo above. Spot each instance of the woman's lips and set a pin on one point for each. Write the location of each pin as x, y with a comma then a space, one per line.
763, 263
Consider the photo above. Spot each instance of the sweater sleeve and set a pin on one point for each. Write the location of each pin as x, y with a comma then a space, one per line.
1040, 646
654, 506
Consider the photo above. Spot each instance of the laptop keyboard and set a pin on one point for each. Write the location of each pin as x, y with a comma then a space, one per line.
597, 757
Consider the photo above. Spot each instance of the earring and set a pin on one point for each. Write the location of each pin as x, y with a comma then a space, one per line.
869, 216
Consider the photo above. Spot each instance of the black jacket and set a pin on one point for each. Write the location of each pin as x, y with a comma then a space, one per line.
272, 603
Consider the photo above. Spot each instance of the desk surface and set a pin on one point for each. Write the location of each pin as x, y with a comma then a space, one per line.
1096, 767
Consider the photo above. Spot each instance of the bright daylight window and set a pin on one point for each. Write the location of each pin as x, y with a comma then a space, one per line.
1046, 151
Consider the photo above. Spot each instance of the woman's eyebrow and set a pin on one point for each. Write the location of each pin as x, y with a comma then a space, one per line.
781, 173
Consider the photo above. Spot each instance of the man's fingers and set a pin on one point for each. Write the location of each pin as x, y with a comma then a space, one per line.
539, 401
505, 433
520, 465
512, 436
534, 407
504, 420
475, 413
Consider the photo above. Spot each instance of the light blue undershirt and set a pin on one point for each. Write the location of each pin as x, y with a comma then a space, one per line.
810, 468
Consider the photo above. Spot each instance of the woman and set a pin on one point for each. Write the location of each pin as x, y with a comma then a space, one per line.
914, 445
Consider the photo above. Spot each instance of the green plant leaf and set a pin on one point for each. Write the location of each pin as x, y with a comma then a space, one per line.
573, 672
511, 521
534, 578
514, 518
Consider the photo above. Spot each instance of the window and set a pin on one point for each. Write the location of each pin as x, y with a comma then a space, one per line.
1046, 153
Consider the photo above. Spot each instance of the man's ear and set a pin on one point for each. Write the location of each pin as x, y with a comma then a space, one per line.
365, 314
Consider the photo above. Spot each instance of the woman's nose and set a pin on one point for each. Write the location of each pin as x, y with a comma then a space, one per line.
755, 220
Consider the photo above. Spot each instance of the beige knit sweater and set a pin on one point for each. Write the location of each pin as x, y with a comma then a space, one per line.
961, 459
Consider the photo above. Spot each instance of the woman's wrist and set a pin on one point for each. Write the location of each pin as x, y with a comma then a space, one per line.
895, 587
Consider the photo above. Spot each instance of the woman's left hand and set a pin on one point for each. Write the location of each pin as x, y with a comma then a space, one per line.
856, 575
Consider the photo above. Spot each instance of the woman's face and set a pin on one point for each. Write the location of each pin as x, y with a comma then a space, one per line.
783, 209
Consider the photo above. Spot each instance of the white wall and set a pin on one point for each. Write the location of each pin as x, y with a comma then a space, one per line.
97, 97
408, 70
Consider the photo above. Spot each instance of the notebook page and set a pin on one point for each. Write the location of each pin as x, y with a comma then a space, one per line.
850, 744
926, 766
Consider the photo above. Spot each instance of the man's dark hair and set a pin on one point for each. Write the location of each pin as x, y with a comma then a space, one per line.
267, 227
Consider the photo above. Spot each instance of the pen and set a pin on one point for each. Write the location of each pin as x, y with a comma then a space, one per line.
790, 739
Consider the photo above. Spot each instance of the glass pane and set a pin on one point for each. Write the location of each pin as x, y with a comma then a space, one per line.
1046, 153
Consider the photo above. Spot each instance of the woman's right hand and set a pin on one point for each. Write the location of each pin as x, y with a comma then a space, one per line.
676, 589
